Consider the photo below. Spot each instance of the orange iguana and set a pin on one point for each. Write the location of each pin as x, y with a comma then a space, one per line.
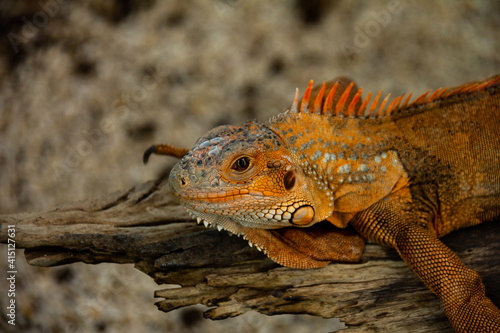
402, 175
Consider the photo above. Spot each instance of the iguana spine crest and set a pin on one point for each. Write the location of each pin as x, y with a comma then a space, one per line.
376, 110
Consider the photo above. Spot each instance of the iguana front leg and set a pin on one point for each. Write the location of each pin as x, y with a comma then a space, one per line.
460, 289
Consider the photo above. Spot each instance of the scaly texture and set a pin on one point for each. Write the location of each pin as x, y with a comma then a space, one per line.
401, 174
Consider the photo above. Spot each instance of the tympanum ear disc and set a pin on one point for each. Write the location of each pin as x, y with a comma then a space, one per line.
303, 215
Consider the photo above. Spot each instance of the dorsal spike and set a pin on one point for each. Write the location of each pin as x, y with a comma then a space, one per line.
352, 106
438, 96
433, 95
340, 104
469, 88
494, 81
379, 113
420, 99
454, 92
399, 101
295, 103
483, 85
407, 100
319, 99
304, 105
329, 99
363, 106
373, 107
393, 105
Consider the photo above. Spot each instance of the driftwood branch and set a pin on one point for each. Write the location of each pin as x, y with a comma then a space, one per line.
145, 226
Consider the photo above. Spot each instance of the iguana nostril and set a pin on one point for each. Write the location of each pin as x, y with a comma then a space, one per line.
177, 181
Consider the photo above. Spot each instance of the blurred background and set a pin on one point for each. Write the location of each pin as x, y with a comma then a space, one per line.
87, 86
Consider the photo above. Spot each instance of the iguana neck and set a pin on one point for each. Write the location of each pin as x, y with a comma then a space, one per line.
323, 139
342, 155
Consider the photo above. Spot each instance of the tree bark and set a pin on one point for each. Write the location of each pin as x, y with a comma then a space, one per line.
145, 226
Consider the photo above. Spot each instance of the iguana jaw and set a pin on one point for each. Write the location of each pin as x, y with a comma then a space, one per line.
301, 248
219, 222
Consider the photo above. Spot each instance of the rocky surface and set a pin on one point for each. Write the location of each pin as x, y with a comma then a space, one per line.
85, 87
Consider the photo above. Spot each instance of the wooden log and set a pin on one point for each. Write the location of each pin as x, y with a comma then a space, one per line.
144, 225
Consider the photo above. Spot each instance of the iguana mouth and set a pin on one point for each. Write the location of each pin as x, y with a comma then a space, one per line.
211, 197
209, 222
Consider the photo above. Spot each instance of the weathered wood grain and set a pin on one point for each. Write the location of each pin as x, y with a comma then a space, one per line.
145, 226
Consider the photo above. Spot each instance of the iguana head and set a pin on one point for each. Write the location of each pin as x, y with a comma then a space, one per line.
245, 176
245, 180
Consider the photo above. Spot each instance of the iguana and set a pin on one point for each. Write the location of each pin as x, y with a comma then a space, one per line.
400, 174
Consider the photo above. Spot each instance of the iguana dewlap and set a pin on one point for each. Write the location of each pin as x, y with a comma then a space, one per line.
402, 175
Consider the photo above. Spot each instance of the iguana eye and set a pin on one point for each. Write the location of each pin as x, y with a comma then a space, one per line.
241, 164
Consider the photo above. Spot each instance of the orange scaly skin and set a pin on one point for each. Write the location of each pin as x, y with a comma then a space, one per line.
402, 175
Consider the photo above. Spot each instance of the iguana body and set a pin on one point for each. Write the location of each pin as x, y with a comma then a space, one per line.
402, 176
